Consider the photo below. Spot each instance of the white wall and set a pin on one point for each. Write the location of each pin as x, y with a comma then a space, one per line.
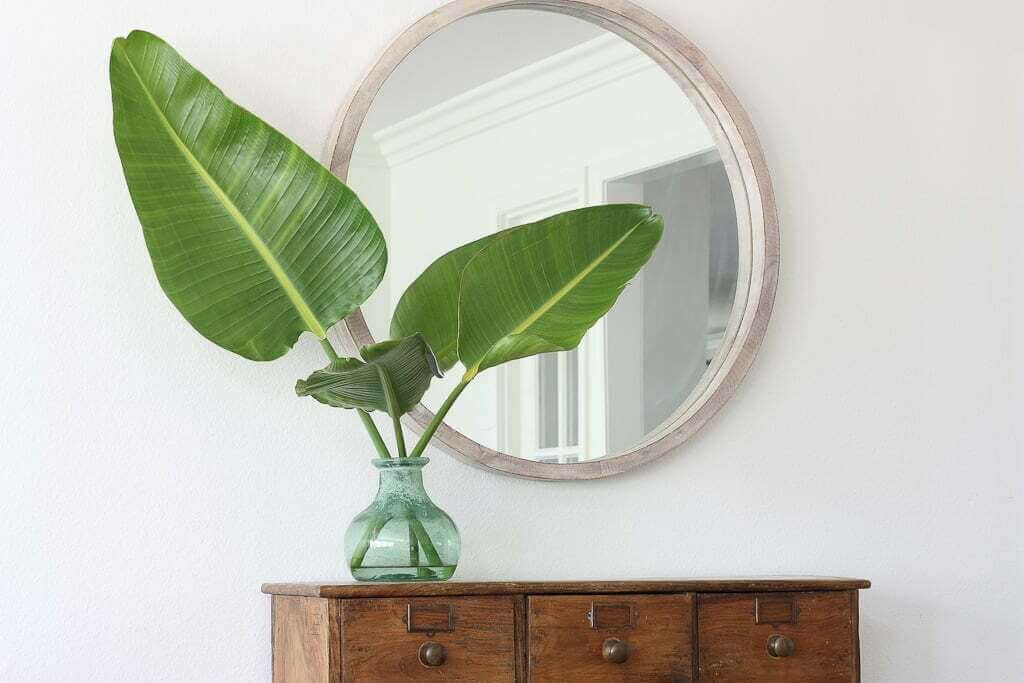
151, 481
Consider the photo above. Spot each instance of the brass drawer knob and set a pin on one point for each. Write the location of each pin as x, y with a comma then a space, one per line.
781, 646
433, 654
615, 651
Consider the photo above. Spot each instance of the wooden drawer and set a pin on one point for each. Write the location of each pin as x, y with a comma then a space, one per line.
734, 632
568, 633
382, 639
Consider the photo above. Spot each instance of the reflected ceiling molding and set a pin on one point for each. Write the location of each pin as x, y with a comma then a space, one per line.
368, 153
562, 76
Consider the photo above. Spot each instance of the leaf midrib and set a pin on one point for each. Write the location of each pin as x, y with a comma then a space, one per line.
551, 301
276, 269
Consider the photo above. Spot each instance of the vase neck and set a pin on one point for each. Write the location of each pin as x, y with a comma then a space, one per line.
401, 477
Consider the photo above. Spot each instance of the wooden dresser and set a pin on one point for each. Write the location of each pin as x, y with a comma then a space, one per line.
756, 629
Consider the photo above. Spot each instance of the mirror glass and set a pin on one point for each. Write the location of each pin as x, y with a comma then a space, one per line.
506, 117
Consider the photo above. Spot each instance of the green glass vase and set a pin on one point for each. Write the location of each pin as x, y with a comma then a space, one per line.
402, 536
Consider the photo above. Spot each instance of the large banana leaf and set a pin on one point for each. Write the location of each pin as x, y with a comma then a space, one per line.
531, 289
541, 288
251, 239
430, 305
407, 363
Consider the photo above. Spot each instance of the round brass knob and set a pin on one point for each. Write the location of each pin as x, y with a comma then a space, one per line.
615, 651
781, 646
433, 654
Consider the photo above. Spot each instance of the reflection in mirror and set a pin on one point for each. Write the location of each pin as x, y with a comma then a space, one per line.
507, 117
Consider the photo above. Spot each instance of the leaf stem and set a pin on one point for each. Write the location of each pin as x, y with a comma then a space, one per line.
332, 355
375, 437
393, 410
421, 445
368, 423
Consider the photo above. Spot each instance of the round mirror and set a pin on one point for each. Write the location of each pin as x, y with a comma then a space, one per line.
475, 121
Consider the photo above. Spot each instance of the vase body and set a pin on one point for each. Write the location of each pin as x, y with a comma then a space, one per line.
402, 535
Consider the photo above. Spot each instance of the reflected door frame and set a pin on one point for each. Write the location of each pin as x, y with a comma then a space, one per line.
621, 179
518, 384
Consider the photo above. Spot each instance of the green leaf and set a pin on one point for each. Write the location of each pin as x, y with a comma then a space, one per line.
252, 240
373, 351
541, 287
352, 383
531, 289
430, 305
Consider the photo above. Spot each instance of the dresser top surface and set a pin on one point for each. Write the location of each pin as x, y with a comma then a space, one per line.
695, 585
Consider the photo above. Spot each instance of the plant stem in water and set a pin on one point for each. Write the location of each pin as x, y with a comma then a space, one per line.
370, 535
433, 559
414, 548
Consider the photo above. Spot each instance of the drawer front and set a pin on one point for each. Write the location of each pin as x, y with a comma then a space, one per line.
776, 637
611, 638
428, 639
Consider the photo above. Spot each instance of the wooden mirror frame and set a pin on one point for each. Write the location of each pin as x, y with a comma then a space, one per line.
752, 192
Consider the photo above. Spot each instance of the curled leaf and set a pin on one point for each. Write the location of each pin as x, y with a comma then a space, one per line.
408, 363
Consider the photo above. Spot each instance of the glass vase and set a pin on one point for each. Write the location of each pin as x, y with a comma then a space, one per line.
402, 535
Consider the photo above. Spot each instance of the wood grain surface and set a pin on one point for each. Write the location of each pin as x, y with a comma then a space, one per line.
732, 647
697, 585
377, 646
300, 639
679, 631
564, 646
